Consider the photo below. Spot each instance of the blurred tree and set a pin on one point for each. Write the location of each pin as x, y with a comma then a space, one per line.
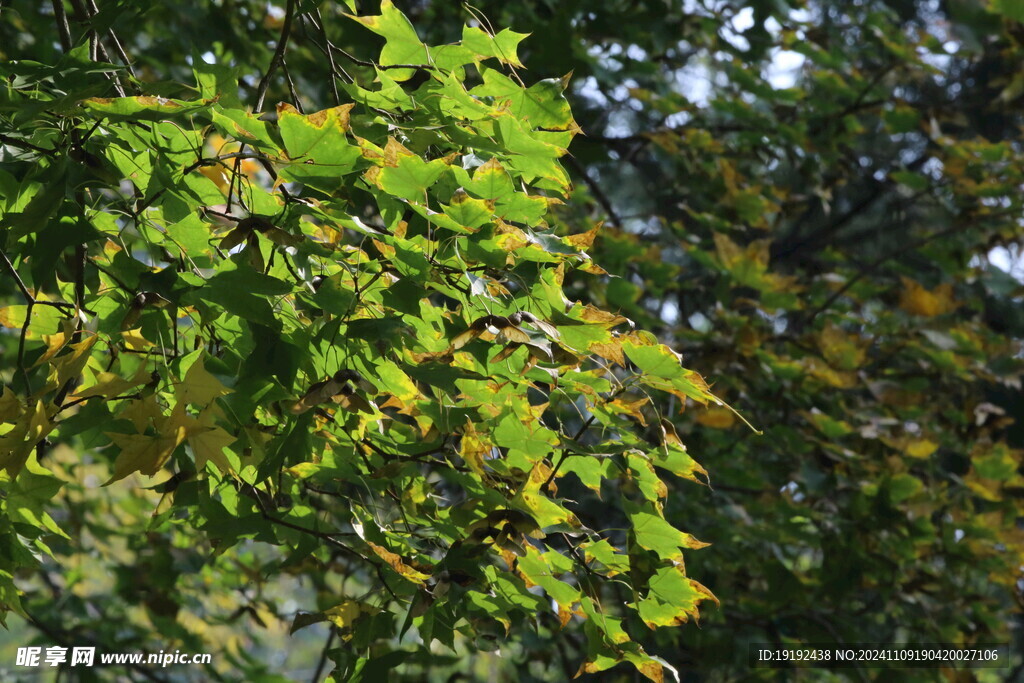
816, 202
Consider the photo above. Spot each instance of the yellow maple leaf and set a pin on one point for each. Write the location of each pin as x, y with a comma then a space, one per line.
344, 614
71, 364
143, 412
199, 386
842, 351
143, 453
395, 561
592, 314
109, 384
921, 448
716, 418
728, 252
472, 449
17, 445
208, 442
917, 300
55, 342
584, 240
611, 350
134, 339
10, 406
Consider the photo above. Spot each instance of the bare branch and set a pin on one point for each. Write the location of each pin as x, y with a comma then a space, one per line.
596, 190
63, 28
278, 58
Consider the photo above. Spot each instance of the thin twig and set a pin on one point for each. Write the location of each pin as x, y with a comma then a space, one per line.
146, 203
275, 61
383, 67
82, 17
291, 86
328, 49
114, 40
213, 161
579, 433
330, 58
80, 262
63, 28
596, 190
21, 348
83, 399
29, 298
871, 267
26, 145
17, 278
258, 496
96, 50
323, 657
120, 283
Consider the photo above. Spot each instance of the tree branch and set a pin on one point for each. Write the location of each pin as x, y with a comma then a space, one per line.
118, 47
61, 638
29, 298
873, 265
596, 190
323, 656
330, 58
63, 28
278, 58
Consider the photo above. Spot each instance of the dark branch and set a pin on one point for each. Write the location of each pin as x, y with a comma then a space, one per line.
63, 28
596, 190
278, 58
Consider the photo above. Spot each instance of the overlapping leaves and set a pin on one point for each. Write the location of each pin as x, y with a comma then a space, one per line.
360, 334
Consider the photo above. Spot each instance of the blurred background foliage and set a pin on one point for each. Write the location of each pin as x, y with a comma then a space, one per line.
818, 203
